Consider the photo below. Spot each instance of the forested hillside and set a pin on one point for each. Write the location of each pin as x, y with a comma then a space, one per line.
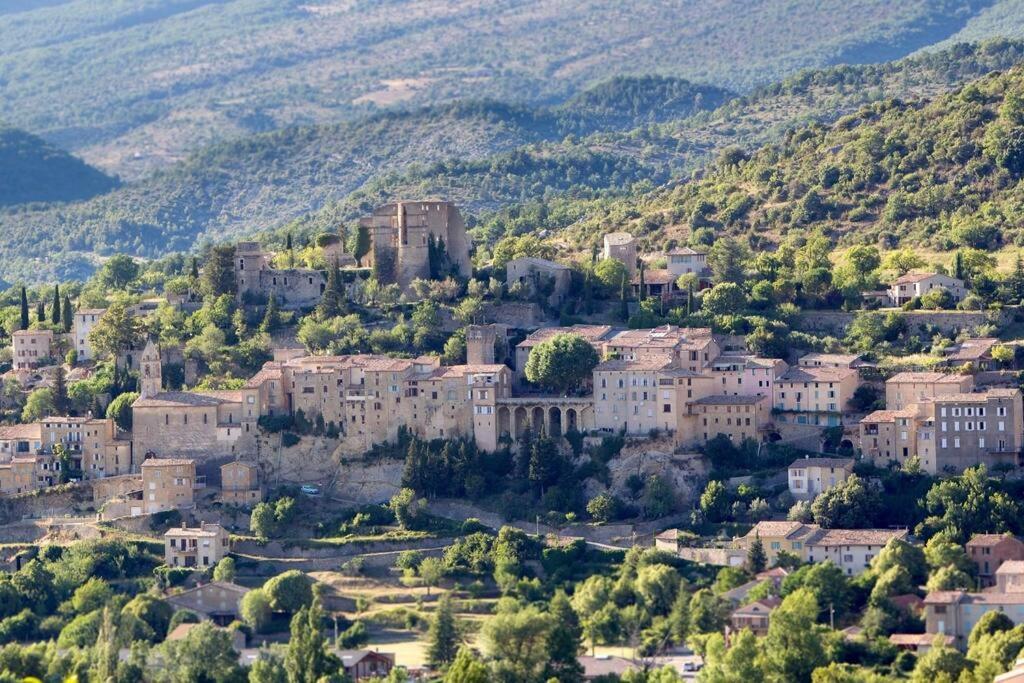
940, 175
484, 155
32, 170
134, 86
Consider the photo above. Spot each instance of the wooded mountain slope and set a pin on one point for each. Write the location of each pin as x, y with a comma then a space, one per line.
135, 85
32, 170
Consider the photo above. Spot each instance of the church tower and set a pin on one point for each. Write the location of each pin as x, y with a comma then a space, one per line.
151, 373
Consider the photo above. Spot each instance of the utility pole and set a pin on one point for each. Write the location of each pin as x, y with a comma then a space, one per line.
831, 616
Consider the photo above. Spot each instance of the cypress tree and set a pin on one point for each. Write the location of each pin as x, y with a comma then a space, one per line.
563, 642
24, 309
623, 303
67, 314
60, 390
443, 636
331, 302
756, 558
55, 317
272, 317
195, 268
40, 311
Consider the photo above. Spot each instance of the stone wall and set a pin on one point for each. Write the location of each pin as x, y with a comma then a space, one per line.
112, 487
836, 322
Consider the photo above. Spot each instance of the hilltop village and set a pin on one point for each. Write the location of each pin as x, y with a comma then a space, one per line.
367, 406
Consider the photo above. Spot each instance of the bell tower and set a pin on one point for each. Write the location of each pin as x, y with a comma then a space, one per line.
151, 379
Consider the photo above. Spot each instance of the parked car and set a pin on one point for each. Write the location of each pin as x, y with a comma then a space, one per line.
310, 490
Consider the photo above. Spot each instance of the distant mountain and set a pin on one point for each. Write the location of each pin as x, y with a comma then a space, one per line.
134, 86
32, 170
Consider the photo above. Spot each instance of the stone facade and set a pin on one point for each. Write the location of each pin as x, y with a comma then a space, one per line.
915, 285
810, 476
988, 552
621, 246
258, 280
168, 484
815, 395
540, 275
85, 320
240, 483
401, 234
31, 349
201, 547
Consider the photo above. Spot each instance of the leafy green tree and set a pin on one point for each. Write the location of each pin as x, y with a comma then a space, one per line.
969, 504
289, 591
826, 582
218, 276
794, 645
657, 585
735, 664
561, 363
563, 642
39, 404
899, 553
727, 260
117, 331
939, 663
949, 578
268, 669
81, 631
443, 636
407, 507
431, 571
707, 612
467, 669
603, 507
91, 595
849, 505
516, 638
225, 570
991, 622
120, 410
262, 521
154, 612
714, 501
306, 660
362, 245
725, 298
117, 273
204, 654
40, 312
255, 609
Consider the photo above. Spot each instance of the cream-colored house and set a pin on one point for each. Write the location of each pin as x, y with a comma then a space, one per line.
913, 285
85, 320
31, 348
815, 395
810, 476
201, 547
168, 484
906, 388
240, 483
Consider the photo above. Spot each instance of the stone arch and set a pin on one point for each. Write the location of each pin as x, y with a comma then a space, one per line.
538, 421
521, 421
505, 423
572, 421
555, 421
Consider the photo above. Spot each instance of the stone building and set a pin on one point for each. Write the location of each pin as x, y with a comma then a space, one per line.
20, 439
906, 388
404, 234
24, 473
622, 247
737, 417
988, 552
201, 547
815, 395
258, 280
480, 342
85, 320
168, 484
106, 452
693, 349
197, 424
537, 275
810, 476
915, 285
240, 483
218, 601
31, 349
684, 260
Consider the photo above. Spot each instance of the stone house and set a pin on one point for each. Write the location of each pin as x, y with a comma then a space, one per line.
218, 601
988, 552
20, 439
361, 665
954, 613
85, 320
656, 283
24, 473
621, 246
976, 352
689, 348
168, 484
914, 285
201, 547
106, 452
31, 349
815, 395
537, 275
596, 335
830, 360
240, 483
849, 549
906, 388
737, 417
684, 260
754, 616
747, 374
810, 476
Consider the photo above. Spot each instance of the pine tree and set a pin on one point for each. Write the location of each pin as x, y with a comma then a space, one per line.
443, 636
24, 309
679, 617
40, 312
67, 314
756, 558
194, 271
272, 317
55, 316
563, 642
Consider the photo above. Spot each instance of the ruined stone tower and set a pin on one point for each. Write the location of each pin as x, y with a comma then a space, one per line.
480, 344
150, 371
400, 235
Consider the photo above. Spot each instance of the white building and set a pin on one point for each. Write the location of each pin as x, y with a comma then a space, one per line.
85, 320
